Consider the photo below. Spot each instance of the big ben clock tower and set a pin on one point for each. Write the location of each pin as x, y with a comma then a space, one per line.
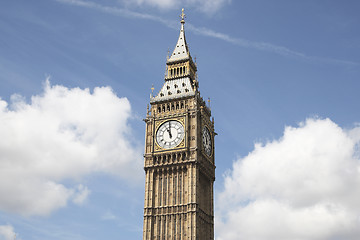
179, 158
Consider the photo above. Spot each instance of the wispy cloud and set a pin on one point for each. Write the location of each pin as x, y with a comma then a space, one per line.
119, 11
206, 6
261, 46
264, 46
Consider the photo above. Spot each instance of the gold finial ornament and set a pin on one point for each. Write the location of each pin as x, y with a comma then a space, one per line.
182, 16
152, 91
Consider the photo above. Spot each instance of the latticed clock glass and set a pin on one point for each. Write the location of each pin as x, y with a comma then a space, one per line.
170, 134
206, 139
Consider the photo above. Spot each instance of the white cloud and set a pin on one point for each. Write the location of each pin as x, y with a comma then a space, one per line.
207, 6
305, 185
7, 232
63, 134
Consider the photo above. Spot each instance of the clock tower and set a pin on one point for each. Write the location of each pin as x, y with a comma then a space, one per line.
179, 158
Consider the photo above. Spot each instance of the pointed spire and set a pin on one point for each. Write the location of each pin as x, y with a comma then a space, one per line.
181, 50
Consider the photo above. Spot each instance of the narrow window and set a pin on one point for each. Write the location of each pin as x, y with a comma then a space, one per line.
163, 227
174, 227
159, 228
180, 228
180, 188
175, 188
165, 187
160, 190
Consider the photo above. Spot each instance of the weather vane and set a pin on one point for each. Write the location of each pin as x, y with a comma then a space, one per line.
182, 15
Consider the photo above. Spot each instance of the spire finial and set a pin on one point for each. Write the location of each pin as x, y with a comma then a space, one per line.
182, 16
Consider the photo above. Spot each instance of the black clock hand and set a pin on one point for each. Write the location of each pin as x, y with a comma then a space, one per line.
169, 131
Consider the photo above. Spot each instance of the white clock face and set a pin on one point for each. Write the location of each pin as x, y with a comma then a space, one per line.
170, 134
206, 139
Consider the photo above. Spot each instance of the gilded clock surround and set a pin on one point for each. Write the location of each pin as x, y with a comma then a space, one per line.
179, 198
181, 120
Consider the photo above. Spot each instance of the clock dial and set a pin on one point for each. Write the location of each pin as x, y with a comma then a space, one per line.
206, 139
170, 134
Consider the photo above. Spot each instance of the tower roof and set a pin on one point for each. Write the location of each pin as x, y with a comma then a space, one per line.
180, 76
181, 51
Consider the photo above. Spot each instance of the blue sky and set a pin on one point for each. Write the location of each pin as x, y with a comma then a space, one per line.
279, 74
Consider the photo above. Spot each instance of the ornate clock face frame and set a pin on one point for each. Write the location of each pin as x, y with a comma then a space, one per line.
206, 139
170, 134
